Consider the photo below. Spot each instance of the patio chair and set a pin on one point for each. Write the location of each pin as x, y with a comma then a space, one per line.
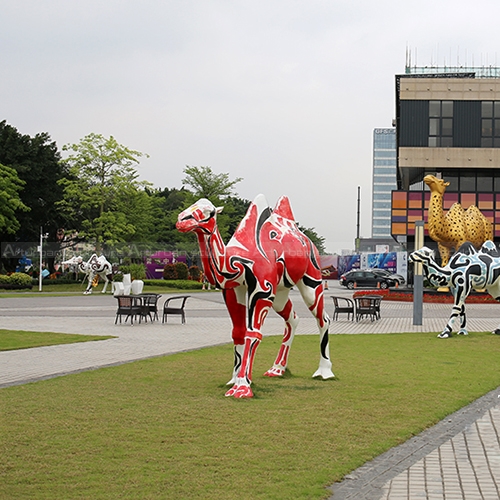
150, 303
130, 307
368, 305
178, 308
342, 305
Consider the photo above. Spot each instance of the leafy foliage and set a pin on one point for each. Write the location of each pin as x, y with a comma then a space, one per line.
182, 270
136, 271
169, 272
36, 161
10, 202
207, 184
102, 194
195, 273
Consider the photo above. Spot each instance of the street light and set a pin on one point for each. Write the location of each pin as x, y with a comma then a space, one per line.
40, 250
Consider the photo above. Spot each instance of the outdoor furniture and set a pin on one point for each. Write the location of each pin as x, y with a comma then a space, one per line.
175, 305
343, 305
150, 302
130, 306
368, 305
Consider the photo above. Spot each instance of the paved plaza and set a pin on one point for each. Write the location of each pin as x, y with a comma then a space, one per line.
457, 459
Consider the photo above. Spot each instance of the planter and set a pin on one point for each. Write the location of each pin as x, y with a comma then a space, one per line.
430, 296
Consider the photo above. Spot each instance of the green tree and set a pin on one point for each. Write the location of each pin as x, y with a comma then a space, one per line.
10, 202
318, 240
102, 197
205, 183
37, 163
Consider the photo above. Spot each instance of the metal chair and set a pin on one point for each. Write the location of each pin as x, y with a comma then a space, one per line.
130, 307
179, 309
368, 305
150, 302
342, 305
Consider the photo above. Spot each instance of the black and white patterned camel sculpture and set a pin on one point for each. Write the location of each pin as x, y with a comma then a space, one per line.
95, 266
467, 270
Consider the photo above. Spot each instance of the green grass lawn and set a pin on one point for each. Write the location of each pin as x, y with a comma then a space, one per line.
162, 428
20, 339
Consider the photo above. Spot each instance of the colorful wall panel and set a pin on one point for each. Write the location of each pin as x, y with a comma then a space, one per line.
410, 206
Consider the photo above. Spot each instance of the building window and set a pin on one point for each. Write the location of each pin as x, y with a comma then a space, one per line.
441, 124
490, 124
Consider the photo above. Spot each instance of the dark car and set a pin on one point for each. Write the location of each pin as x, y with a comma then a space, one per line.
387, 274
365, 279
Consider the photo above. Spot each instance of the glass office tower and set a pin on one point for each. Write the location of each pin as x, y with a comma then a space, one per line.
384, 180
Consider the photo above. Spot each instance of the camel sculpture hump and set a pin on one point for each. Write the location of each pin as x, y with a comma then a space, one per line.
250, 227
283, 208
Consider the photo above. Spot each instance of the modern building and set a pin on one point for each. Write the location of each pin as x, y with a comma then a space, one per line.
384, 180
447, 125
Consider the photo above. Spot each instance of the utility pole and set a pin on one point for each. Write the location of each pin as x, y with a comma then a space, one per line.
357, 223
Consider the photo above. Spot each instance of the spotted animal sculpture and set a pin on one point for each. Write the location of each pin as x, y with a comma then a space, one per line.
453, 229
95, 266
467, 270
264, 259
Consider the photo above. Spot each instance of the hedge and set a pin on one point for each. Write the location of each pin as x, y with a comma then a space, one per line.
181, 284
16, 281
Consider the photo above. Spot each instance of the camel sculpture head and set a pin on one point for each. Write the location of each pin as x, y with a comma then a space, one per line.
436, 184
424, 255
73, 261
199, 217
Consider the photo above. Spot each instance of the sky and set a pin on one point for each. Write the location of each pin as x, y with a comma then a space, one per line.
283, 93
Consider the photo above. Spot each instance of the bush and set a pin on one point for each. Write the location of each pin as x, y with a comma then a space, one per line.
169, 272
195, 273
16, 280
182, 270
136, 271
180, 284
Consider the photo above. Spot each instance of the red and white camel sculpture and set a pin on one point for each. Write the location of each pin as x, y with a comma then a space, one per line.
95, 266
264, 259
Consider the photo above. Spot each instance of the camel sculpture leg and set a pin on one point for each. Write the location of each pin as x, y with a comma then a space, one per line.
106, 278
458, 310
91, 277
313, 297
284, 307
235, 303
258, 308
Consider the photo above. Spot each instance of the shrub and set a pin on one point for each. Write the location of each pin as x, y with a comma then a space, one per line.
179, 284
195, 273
136, 271
182, 270
16, 280
169, 272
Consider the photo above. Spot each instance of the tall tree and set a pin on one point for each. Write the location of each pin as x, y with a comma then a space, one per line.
10, 202
102, 190
36, 161
205, 183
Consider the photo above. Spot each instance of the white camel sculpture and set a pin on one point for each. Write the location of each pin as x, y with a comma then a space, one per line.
95, 266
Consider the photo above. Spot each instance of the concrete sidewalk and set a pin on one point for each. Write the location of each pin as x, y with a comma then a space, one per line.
457, 459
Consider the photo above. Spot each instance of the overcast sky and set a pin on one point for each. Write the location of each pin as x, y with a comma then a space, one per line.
283, 93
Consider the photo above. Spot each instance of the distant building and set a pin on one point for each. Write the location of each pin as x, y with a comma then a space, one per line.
447, 125
384, 180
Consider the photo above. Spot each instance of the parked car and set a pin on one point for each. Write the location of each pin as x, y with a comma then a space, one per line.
366, 279
393, 276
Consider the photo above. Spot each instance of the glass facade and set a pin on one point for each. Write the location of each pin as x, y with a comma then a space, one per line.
384, 180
